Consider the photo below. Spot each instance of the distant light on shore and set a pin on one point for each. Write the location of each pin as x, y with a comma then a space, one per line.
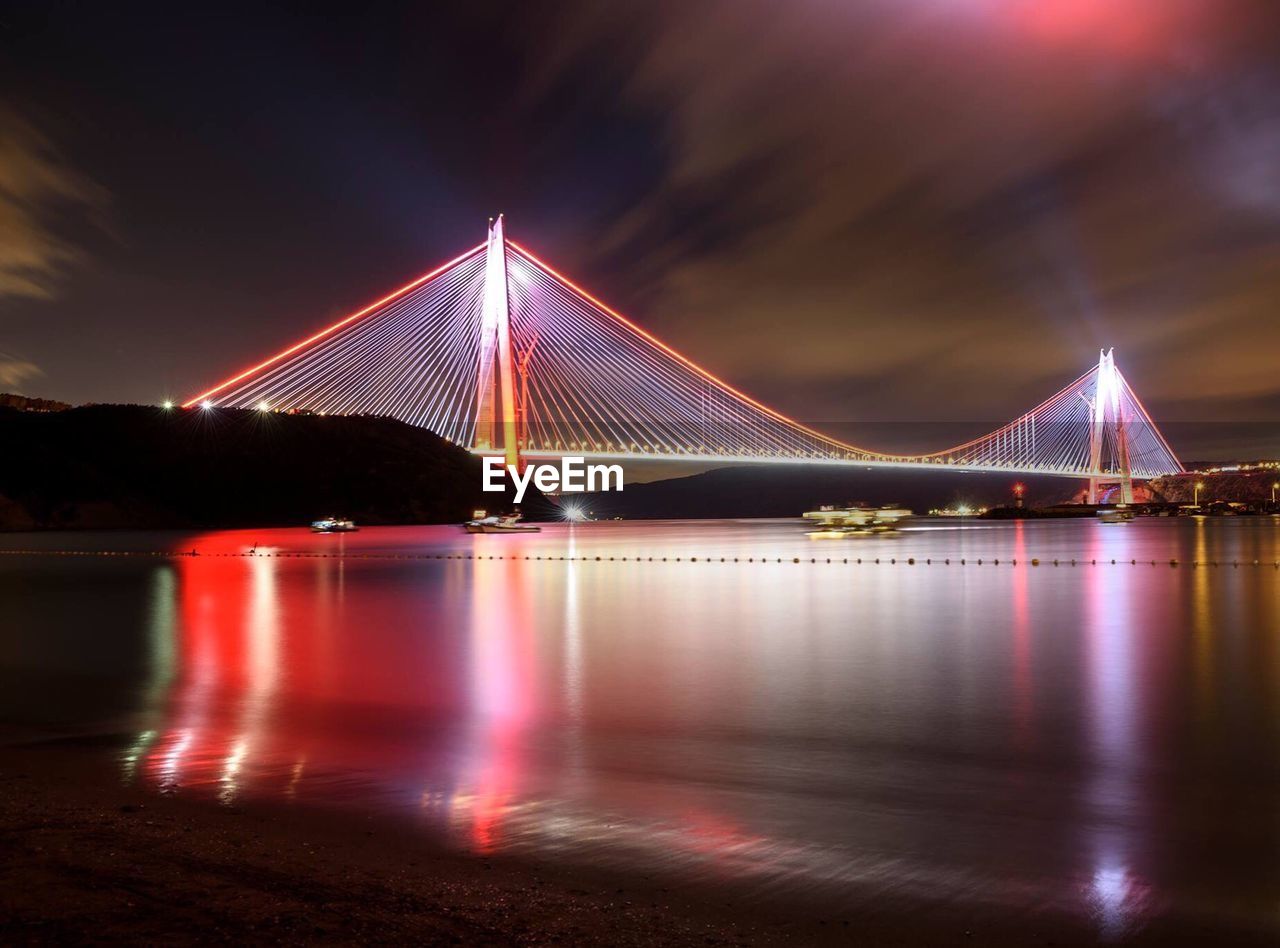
960, 510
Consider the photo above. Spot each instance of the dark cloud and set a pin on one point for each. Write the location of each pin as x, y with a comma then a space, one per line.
14, 372
37, 189
958, 201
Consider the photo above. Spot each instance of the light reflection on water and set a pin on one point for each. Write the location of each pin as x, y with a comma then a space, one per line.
1095, 738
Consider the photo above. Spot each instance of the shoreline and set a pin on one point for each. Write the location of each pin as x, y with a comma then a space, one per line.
90, 859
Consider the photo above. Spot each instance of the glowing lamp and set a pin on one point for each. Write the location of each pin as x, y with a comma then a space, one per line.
168, 405
206, 404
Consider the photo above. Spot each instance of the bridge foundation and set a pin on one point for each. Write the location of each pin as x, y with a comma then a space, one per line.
1099, 488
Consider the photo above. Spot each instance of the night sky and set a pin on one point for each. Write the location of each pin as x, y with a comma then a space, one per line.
924, 211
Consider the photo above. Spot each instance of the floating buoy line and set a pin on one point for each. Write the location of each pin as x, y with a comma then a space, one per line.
525, 557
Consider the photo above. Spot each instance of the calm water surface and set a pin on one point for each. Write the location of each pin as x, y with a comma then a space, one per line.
1100, 739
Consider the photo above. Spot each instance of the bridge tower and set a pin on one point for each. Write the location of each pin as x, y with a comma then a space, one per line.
496, 408
1108, 409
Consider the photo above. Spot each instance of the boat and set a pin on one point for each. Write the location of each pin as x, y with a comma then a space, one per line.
835, 523
333, 525
1117, 514
507, 523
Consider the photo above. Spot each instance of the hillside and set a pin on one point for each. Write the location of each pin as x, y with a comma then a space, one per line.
1246, 487
136, 466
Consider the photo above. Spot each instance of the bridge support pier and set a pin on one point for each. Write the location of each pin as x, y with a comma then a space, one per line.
1126, 489
1096, 485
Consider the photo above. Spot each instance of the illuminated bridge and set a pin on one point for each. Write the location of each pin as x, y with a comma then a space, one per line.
498, 352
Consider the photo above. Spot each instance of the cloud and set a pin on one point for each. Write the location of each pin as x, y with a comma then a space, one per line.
38, 193
958, 202
14, 372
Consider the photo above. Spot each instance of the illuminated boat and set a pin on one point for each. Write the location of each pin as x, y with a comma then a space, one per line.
1118, 514
838, 522
509, 523
333, 525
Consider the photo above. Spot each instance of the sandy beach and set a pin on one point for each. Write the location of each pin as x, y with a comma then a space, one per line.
89, 860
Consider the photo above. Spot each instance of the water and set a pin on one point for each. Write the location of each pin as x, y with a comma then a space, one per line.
1100, 740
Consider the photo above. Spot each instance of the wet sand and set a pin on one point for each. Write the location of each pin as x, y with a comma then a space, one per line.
87, 859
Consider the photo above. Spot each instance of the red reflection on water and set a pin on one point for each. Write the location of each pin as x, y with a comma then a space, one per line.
250, 699
228, 617
502, 694
204, 655
455, 688
369, 668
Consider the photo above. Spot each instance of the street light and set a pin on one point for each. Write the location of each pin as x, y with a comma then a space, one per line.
1273, 491
1199, 487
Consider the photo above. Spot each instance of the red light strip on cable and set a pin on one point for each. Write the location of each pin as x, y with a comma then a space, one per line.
391, 297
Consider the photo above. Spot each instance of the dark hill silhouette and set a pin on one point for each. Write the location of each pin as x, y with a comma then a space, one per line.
137, 466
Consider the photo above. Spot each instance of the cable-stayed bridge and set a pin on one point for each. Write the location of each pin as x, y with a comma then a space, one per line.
498, 352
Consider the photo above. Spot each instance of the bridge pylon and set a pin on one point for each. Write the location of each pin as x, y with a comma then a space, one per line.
496, 409
1108, 411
